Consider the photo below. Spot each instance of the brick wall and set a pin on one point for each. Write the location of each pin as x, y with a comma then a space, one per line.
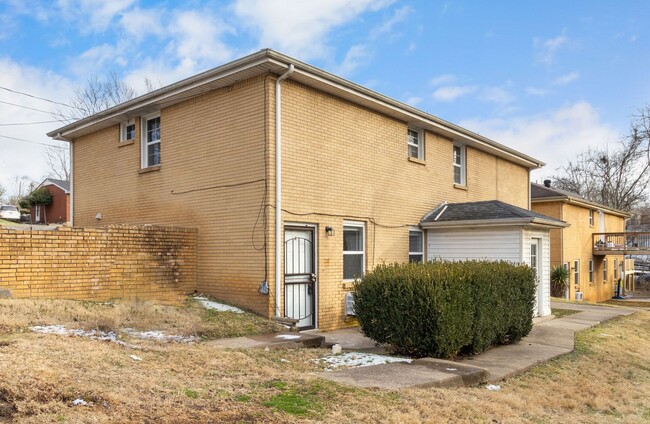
144, 262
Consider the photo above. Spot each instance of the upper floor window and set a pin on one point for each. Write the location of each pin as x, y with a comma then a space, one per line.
354, 252
459, 164
416, 246
415, 142
591, 217
127, 130
151, 140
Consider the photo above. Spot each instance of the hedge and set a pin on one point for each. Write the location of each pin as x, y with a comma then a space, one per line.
443, 308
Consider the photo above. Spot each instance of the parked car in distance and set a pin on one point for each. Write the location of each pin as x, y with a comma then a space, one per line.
10, 213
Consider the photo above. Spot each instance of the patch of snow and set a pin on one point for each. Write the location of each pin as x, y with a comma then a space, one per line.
358, 359
287, 337
493, 387
79, 402
158, 336
211, 304
336, 349
60, 330
452, 369
135, 357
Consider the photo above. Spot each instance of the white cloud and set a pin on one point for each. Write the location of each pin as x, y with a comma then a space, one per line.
535, 91
198, 39
498, 95
554, 137
91, 15
414, 101
453, 92
139, 23
398, 16
443, 79
566, 79
547, 48
19, 158
356, 56
300, 29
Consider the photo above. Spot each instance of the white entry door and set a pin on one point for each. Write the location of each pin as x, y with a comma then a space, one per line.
300, 276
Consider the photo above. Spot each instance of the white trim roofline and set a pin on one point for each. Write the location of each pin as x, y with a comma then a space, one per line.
532, 222
268, 60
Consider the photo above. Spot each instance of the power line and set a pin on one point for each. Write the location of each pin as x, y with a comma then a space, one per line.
26, 123
39, 98
37, 110
34, 142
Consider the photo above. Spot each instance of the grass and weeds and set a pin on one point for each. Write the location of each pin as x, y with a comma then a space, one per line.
5, 223
607, 378
559, 313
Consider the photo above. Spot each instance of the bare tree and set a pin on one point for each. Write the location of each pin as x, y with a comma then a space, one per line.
618, 178
97, 95
3, 191
21, 187
58, 162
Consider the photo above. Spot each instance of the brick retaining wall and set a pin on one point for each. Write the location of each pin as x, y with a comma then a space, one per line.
115, 262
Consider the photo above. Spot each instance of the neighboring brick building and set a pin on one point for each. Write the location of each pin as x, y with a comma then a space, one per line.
58, 212
595, 276
358, 173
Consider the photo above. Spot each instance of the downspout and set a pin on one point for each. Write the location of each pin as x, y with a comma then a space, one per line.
278, 186
59, 137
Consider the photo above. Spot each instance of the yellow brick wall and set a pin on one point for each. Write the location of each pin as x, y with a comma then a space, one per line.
344, 162
211, 177
118, 262
578, 244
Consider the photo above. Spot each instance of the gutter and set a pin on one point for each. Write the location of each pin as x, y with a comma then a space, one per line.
536, 222
278, 186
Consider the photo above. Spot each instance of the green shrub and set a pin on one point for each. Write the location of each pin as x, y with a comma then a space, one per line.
559, 281
445, 308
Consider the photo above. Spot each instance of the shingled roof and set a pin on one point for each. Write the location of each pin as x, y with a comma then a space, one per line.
485, 213
543, 193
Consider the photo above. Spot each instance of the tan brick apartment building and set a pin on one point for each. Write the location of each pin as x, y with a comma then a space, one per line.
359, 171
593, 275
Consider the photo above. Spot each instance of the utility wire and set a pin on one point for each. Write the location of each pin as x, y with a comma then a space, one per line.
34, 142
39, 98
26, 123
37, 110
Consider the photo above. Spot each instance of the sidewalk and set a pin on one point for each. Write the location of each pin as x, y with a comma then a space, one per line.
547, 340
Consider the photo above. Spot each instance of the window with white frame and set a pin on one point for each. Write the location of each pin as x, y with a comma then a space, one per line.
415, 142
591, 217
354, 252
576, 272
151, 140
591, 271
615, 269
459, 164
416, 245
127, 130
605, 270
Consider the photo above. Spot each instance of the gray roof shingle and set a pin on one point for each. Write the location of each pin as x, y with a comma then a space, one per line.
489, 211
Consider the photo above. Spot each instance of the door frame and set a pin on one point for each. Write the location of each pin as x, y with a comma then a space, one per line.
539, 271
314, 230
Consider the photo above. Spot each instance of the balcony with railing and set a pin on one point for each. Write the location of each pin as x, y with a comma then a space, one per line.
637, 243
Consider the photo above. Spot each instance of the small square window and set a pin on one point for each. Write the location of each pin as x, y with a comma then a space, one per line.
416, 246
127, 131
459, 164
415, 143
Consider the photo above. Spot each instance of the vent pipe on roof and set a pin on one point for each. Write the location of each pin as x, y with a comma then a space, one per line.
278, 187
547, 183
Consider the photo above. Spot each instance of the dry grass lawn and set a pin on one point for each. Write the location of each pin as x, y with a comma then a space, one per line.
606, 380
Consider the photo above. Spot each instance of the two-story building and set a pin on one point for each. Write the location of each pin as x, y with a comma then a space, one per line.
300, 181
592, 273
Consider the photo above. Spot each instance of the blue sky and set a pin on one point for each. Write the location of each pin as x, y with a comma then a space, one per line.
549, 78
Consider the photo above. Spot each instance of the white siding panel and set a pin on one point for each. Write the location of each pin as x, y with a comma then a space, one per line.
480, 243
545, 278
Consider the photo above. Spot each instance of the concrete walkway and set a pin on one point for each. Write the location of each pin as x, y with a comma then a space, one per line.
547, 340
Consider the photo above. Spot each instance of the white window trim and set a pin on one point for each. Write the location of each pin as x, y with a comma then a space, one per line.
576, 272
591, 217
144, 144
615, 270
591, 271
420, 145
362, 225
605, 269
463, 165
123, 126
416, 230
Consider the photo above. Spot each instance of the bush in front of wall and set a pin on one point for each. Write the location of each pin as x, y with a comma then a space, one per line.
443, 308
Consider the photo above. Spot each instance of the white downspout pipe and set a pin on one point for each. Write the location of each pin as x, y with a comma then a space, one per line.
278, 187
61, 138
